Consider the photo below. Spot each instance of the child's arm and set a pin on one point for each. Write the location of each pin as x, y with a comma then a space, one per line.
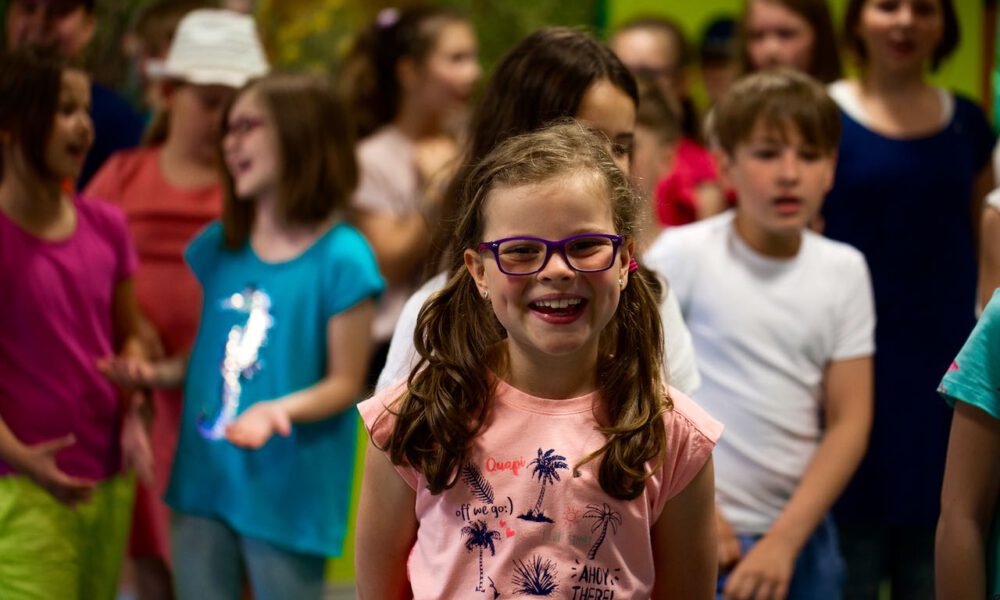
137, 452
968, 499
766, 570
387, 530
989, 254
684, 543
348, 336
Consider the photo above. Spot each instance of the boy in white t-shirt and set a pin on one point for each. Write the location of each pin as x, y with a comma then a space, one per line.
782, 321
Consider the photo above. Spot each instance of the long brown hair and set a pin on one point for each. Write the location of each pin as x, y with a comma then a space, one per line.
318, 167
458, 336
539, 81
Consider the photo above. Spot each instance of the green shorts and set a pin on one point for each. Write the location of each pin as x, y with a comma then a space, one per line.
49, 550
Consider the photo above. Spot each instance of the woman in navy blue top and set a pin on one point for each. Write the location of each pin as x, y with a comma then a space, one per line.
912, 159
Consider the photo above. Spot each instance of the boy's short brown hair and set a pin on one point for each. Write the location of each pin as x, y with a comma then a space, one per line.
777, 98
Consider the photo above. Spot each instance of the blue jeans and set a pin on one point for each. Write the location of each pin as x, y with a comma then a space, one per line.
819, 569
211, 561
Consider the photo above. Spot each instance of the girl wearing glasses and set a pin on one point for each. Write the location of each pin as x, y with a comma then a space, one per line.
522, 457
262, 477
169, 190
554, 73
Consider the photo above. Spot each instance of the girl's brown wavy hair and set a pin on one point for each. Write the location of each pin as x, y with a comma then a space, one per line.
459, 339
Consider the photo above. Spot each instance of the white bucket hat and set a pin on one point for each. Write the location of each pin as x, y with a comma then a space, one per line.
215, 47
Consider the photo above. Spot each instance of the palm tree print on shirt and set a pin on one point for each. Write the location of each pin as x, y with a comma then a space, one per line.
603, 517
546, 468
480, 536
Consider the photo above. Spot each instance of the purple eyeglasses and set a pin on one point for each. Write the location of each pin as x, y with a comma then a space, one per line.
587, 253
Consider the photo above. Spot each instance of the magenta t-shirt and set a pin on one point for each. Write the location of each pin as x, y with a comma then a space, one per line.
521, 522
55, 323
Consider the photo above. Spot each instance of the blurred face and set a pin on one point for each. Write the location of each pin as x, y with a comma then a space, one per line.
196, 118
62, 25
251, 148
900, 35
780, 181
778, 37
449, 73
556, 313
610, 111
72, 130
654, 54
653, 159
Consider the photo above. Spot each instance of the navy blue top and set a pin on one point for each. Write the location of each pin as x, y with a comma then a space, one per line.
905, 203
116, 127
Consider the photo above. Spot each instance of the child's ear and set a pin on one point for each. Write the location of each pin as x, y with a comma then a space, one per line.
625, 255
476, 267
831, 171
725, 163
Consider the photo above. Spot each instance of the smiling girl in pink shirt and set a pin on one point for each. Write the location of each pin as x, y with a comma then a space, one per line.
522, 457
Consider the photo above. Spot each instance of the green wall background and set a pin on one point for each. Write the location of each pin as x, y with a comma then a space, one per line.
962, 73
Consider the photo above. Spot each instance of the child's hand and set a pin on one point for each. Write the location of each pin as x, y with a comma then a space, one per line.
128, 372
38, 463
729, 544
764, 573
254, 427
137, 452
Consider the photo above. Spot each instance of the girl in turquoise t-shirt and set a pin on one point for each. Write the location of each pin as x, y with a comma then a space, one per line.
261, 481
966, 553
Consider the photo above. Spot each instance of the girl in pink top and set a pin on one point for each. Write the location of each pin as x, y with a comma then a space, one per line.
522, 457
66, 302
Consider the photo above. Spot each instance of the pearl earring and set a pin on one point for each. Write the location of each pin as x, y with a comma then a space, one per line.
621, 282
486, 294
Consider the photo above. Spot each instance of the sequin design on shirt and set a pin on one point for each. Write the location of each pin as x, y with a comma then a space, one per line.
241, 360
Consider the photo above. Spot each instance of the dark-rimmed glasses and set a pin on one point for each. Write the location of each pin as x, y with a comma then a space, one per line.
587, 253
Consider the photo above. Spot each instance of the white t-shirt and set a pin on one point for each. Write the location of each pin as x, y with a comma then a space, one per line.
764, 331
388, 184
678, 353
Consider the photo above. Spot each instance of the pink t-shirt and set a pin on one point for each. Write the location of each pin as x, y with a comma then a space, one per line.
521, 522
55, 323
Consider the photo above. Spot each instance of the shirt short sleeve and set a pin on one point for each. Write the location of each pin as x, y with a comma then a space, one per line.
379, 422
855, 332
980, 134
691, 437
354, 274
974, 376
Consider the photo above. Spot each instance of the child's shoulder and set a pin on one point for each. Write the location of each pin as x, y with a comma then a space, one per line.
822, 252
376, 412
686, 414
343, 242
692, 237
101, 215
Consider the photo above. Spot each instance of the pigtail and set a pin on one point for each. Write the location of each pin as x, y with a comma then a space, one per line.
447, 396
